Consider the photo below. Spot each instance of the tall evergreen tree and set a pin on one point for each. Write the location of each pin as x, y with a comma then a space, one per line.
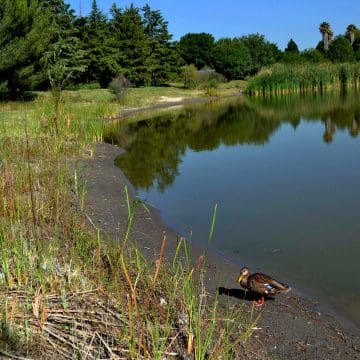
97, 18
25, 33
64, 59
133, 44
101, 54
292, 47
163, 59
62, 12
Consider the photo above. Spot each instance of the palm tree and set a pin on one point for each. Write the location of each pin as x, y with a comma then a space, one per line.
355, 128
327, 34
351, 31
329, 131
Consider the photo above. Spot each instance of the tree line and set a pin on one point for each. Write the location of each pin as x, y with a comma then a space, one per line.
43, 44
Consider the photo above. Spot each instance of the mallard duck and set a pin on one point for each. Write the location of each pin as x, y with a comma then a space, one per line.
260, 284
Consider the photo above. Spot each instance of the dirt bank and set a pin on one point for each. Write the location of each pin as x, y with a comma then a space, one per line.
290, 327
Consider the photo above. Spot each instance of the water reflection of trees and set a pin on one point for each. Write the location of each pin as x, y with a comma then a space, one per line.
336, 112
156, 151
154, 148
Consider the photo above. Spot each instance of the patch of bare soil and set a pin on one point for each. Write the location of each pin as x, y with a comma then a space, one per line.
291, 326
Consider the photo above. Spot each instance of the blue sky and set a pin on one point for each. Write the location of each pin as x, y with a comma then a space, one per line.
278, 20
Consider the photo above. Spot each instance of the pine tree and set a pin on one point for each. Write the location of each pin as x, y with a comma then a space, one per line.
163, 59
64, 58
292, 47
133, 44
102, 56
25, 33
62, 12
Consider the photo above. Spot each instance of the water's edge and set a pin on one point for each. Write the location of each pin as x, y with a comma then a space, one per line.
220, 257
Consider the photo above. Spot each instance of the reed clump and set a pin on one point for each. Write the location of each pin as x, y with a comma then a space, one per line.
67, 293
297, 78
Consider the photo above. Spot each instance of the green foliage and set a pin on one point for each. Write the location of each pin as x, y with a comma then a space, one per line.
132, 43
320, 47
196, 48
25, 33
163, 59
190, 76
292, 58
281, 78
210, 80
262, 52
97, 18
61, 13
205, 78
313, 55
292, 47
62, 62
232, 58
44, 44
100, 53
340, 50
64, 59
236, 58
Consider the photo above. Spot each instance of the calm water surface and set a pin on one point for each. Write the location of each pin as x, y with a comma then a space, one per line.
285, 173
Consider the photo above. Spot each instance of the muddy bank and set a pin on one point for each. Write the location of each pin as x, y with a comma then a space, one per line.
291, 326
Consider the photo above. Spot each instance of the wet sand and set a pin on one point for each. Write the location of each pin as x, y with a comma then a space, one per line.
291, 326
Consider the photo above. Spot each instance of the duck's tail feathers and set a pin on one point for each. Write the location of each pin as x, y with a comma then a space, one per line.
280, 287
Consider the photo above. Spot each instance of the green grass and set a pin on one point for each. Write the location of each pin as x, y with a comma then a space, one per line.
281, 78
82, 111
67, 292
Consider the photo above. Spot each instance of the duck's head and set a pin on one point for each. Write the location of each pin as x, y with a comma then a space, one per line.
244, 273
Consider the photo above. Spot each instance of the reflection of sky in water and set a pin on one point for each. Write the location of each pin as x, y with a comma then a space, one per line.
291, 206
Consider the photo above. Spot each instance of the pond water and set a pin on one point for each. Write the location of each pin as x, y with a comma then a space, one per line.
285, 173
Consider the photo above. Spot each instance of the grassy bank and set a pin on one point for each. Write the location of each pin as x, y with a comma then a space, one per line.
65, 292
281, 78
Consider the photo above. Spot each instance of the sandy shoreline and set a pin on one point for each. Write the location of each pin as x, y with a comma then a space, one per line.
291, 327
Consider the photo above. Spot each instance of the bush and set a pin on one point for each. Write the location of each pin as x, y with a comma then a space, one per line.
4, 90
205, 78
119, 86
191, 77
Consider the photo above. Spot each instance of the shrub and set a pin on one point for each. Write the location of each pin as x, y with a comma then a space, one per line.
191, 77
119, 86
205, 78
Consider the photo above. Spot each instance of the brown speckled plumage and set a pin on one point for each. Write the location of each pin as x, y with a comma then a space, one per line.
261, 284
